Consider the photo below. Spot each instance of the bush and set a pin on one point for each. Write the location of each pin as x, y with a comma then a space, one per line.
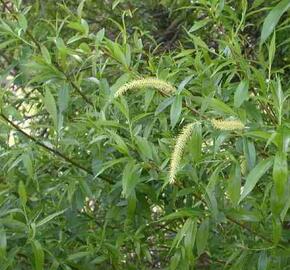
144, 134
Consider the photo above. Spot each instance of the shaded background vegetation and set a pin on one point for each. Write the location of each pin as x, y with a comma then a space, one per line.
82, 173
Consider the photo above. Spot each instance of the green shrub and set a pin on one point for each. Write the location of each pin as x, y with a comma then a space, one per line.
144, 134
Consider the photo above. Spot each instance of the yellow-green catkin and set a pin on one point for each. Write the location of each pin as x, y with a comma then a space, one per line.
162, 86
227, 124
178, 150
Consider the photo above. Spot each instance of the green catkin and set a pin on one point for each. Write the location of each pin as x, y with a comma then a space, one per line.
227, 124
178, 150
162, 86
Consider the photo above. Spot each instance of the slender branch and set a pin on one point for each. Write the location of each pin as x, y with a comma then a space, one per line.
79, 91
53, 151
194, 111
250, 230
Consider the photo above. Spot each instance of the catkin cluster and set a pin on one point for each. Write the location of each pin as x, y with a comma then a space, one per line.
160, 85
178, 150
227, 124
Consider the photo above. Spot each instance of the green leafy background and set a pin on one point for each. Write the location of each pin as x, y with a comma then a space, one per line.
83, 175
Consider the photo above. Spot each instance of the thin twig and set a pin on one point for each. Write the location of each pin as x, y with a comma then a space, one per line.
250, 230
52, 150
79, 91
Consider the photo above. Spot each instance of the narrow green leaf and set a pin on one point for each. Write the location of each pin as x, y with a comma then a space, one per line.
116, 3
120, 143
55, 265
131, 206
210, 191
181, 213
130, 178
215, 104
50, 106
99, 168
123, 107
219, 105
79, 26
241, 93
182, 233
250, 153
99, 259
175, 110
28, 164
189, 239
38, 255
252, 179
263, 261
174, 261
80, 8
273, 18
71, 190
257, 3
78, 255
163, 105
85, 26
149, 94
277, 203
13, 224
277, 230
63, 98
128, 54
6, 43
202, 236
246, 215
198, 42
100, 36
184, 82
85, 188
45, 54
234, 184
3, 242
144, 147
272, 50
278, 99
22, 21
285, 208
197, 25
196, 143
119, 54
49, 218
280, 173
22, 193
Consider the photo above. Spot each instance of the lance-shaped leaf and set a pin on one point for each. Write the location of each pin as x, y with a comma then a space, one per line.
50, 106
272, 19
280, 172
254, 176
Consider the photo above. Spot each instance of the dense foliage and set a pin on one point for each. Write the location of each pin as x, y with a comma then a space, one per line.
94, 180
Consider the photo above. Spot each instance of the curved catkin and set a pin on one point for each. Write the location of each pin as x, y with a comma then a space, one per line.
162, 86
227, 124
178, 150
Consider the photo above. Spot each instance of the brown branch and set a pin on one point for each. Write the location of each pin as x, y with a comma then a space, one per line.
79, 91
250, 230
52, 150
